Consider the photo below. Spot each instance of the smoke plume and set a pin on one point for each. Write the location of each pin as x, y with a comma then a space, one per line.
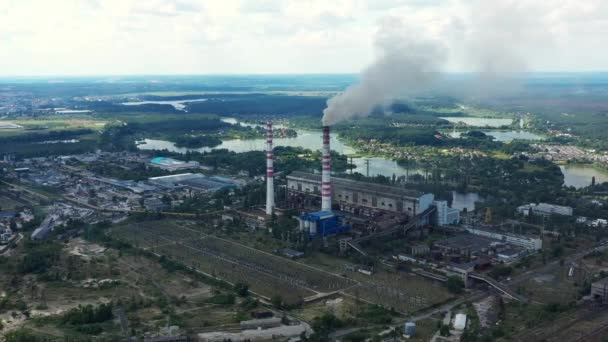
407, 63
494, 40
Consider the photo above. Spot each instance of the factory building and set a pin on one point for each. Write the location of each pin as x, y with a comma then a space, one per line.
171, 164
599, 290
544, 209
445, 214
262, 323
195, 181
361, 198
529, 243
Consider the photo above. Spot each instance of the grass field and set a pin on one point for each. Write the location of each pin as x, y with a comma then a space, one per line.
7, 203
40, 126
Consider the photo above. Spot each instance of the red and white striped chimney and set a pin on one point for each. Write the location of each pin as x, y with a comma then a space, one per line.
269, 170
326, 172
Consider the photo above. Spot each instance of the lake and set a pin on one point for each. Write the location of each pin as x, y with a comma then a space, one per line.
306, 139
579, 175
502, 136
234, 121
179, 105
382, 166
479, 122
466, 200
309, 139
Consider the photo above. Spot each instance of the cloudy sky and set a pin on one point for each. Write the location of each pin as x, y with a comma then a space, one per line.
92, 37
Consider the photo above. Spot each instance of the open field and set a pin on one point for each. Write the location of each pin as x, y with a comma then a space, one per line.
586, 323
52, 124
401, 291
266, 274
150, 294
9, 203
269, 275
551, 287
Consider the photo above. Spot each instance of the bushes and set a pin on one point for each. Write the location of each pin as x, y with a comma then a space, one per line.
222, 299
39, 258
455, 285
249, 303
241, 289
88, 314
277, 301
326, 323
500, 272
23, 335
90, 329
376, 314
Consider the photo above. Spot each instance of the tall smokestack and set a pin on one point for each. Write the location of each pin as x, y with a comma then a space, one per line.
269, 170
326, 172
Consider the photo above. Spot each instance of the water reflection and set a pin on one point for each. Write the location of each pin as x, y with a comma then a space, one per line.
479, 122
306, 139
580, 176
466, 200
179, 105
503, 136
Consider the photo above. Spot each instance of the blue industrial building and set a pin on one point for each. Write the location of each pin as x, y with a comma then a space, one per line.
322, 223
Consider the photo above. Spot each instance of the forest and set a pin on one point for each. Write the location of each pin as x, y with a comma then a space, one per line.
261, 104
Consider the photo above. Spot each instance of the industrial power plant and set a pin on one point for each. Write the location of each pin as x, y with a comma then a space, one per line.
330, 205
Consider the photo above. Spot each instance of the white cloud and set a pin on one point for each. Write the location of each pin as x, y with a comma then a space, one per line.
267, 36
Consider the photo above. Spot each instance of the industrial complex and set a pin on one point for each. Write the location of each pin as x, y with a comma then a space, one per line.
385, 245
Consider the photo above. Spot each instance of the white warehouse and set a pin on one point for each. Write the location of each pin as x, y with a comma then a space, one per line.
544, 209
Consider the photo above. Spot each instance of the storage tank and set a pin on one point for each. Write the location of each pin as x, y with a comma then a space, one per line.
410, 329
323, 223
313, 228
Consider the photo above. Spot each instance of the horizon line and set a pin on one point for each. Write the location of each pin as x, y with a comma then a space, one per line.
278, 74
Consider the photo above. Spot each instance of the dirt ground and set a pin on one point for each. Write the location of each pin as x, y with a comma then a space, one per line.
100, 275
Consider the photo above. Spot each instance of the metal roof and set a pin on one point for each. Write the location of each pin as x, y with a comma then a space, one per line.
166, 161
321, 214
380, 189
